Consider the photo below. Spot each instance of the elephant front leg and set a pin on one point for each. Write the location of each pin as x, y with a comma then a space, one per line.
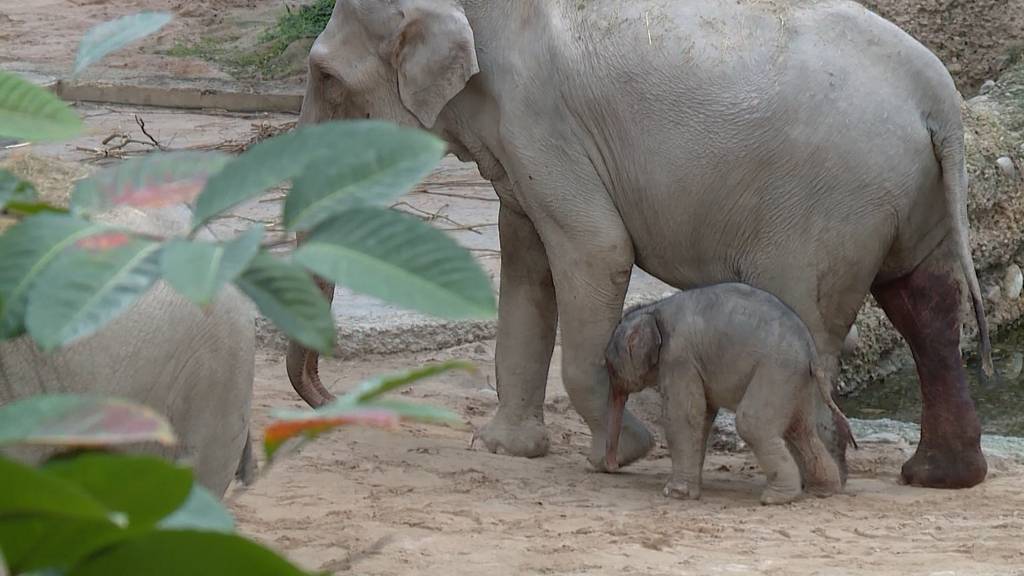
527, 317
688, 421
591, 269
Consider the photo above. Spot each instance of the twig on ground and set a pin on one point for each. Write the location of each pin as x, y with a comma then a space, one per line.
451, 195
142, 126
431, 216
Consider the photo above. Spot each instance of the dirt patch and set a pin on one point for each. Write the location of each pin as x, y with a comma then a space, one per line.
419, 501
975, 38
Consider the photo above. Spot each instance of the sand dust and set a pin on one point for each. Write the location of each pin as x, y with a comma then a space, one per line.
419, 501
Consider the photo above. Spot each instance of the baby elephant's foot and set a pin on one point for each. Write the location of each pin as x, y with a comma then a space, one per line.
772, 496
682, 490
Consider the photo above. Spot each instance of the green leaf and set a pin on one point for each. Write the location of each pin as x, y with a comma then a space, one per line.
175, 553
26, 491
201, 511
72, 420
380, 385
412, 412
88, 285
375, 164
14, 189
110, 36
289, 297
49, 543
32, 208
143, 488
29, 112
26, 250
399, 259
151, 181
198, 270
278, 159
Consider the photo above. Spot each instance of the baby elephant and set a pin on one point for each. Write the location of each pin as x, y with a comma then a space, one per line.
726, 346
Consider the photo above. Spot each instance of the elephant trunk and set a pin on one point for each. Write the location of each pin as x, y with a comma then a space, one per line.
304, 364
616, 407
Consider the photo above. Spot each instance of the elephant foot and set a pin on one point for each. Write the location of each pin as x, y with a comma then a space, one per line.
681, 490
773, 496
947, 468
634, 443
526, 438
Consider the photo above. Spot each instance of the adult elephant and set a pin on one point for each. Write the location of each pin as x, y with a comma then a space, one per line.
810, 149
194, 366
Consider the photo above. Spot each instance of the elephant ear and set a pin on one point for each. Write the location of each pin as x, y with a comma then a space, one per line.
435, 55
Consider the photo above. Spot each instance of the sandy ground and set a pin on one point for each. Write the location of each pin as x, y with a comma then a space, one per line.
420, 501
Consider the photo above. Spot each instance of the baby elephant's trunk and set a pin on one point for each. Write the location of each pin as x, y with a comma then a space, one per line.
616, 406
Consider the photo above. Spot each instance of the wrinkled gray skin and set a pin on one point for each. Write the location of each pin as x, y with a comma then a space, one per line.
735, 347
810, 149
195, 367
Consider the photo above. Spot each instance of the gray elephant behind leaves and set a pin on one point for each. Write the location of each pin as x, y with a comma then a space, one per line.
808, 148
193, 366
735, 347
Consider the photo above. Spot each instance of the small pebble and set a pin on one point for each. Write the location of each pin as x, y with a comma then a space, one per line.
987, 87
1006, 166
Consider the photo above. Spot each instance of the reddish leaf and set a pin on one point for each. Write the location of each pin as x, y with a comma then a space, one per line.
160, 194
281, 431
152, 181
81, 422
102, 242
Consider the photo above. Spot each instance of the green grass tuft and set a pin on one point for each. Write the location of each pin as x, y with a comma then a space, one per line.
306, 22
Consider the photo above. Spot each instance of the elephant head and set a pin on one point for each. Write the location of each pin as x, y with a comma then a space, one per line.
396, 60
632, 361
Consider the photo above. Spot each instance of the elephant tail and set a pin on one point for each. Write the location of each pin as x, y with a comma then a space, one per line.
949, 149
825, 387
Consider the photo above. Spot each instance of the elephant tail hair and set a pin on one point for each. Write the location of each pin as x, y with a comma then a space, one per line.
950, 151
825, 387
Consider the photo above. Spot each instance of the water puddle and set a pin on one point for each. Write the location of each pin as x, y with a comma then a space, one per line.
1000, 406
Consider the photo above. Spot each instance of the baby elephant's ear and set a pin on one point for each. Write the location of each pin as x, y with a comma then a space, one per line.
643, 342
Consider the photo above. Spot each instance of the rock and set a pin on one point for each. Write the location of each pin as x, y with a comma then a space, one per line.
723, 435
994, 294
987, 86
852, 339
881, 438
1013, 367
1013, 282
1006, 167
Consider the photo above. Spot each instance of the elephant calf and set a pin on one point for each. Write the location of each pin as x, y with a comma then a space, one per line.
727, 346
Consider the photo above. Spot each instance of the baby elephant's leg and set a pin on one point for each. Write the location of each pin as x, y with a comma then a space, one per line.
762, 419
820, 471
687, 424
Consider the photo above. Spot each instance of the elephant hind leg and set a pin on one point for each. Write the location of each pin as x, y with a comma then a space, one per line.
819, 470
925, 307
